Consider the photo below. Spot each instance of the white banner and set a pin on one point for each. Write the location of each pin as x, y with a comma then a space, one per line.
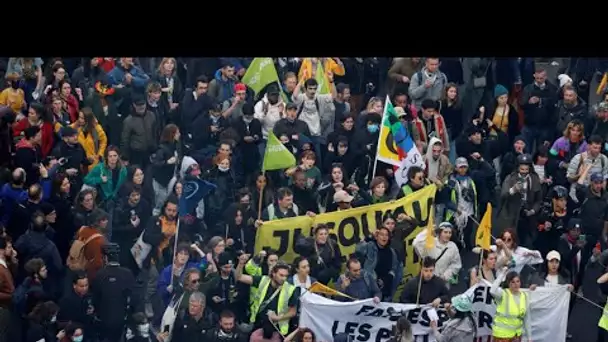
366, 321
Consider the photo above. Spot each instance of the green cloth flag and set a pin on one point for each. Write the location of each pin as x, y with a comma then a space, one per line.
277, 156
262, 72
321, 79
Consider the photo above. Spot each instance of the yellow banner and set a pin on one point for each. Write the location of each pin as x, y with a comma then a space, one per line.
350, 226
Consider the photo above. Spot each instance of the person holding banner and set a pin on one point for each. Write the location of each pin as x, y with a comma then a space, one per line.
487, 270
380, 260
431, 289
323, 253
510, 321
358, 283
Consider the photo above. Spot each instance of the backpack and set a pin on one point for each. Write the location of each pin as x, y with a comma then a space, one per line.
19, 299
302, 107
76, 260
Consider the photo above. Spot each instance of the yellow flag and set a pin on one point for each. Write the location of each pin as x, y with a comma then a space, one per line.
430, 237
319, 288
602, 85
484, 231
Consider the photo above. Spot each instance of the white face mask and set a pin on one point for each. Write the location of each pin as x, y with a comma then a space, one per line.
54, 319
144, 329
223, 169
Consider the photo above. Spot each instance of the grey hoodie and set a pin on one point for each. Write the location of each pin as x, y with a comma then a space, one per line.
456, 330
418, 92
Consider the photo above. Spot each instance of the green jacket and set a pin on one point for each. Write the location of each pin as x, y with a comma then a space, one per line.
108, 190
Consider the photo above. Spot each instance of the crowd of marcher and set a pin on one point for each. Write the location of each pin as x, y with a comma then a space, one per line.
132, 190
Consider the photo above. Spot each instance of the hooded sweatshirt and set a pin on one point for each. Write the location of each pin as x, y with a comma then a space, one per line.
433, 164
220, 89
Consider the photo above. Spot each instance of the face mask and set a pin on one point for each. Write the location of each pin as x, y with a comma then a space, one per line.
606, 146
78, 338
247, 120
223, 169
372, 128
15, 85
54, 319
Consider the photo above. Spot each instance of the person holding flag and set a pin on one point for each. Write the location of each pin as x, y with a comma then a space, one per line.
442, 249
192, 201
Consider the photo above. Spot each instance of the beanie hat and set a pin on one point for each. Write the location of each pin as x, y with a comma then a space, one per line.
500, 90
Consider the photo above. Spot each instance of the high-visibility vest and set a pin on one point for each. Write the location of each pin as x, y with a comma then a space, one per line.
603, 323
283, 304
252, 269
509, 318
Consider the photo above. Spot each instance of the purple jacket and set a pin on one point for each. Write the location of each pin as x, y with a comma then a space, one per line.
561, 148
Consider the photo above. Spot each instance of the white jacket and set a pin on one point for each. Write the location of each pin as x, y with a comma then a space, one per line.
449, 264
270, 116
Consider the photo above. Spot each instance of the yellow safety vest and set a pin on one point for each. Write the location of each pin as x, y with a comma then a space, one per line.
252, 269
509, 318
284, 295
603, 323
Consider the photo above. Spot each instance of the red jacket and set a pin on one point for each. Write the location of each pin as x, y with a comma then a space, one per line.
48, 135
73, 107
106, 65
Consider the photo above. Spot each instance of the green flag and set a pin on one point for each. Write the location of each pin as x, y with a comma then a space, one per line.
261, 72
277, 156
321, 80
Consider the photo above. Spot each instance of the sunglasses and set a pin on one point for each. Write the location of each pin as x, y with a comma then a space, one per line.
195, 281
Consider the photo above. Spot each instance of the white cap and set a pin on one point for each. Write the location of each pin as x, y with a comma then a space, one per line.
554, 255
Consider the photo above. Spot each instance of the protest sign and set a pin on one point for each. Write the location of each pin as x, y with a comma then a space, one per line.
350, 226
365, 321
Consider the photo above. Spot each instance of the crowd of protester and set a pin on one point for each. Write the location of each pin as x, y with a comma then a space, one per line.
133, 185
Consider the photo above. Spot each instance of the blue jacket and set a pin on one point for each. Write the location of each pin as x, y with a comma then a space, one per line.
368, 250
10, 196
166, 278
219, 89
194, 191
116, 76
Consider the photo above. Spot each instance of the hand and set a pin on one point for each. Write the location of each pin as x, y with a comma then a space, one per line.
170, 288
434, 325
78, 92
402, 217
172, 160
119, 86
517, 187
532, 287
273, 317
330, 77
353, 187
489, 123
128, 78
258, 223
533, 100
548, 181
71, 172
476, 122
596, 251
173, 105
376, 300
243, 259
44, 173
310, 214
236, 100
482, 111
217, 299
570, 287
90, 310
565, 165
162, 336
369, 147
295, 137
345, 281
229, 242
248, 139
499, 243
330, 147
436, 303
390, 172
104, 178
476, 155
548, 225
60, 335
405, 79
135, 222
214, 129
529, 212
48, 87
428, 83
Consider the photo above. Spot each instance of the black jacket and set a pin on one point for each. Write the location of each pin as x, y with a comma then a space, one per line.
188, 329
112, 291
539, 115
162, 172
73, 308
594, 210
289, 128
213, 336
429, 291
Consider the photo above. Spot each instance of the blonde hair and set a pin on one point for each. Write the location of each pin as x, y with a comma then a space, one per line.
165, 60
372, 102
572, 124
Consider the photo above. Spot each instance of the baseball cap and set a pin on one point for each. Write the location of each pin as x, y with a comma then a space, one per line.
603, 106
554, 255
574, 223
597, 177
462, 162
68, 131
291, 106
342, 196
225, 259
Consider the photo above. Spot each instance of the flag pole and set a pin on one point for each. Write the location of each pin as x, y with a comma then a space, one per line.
419, 285
380, 135
261, 197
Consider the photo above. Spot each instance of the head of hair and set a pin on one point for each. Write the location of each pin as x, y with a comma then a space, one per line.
509, 278
302, 332
169, 133
189, 272
429, 104
308, 154
341, 87
595, 139
514, 236
280, 266
182, 247
351, 261
213, 242
43, 312
402, 329
38, 108
198, 296
109, 149
377, 181
428, 262
77, 275
153, 87
227, 314
413, 171
311, 82
34, 192
283, 192
71, 328
201, 79
33, 266
31, 132
297, 261
89, 119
